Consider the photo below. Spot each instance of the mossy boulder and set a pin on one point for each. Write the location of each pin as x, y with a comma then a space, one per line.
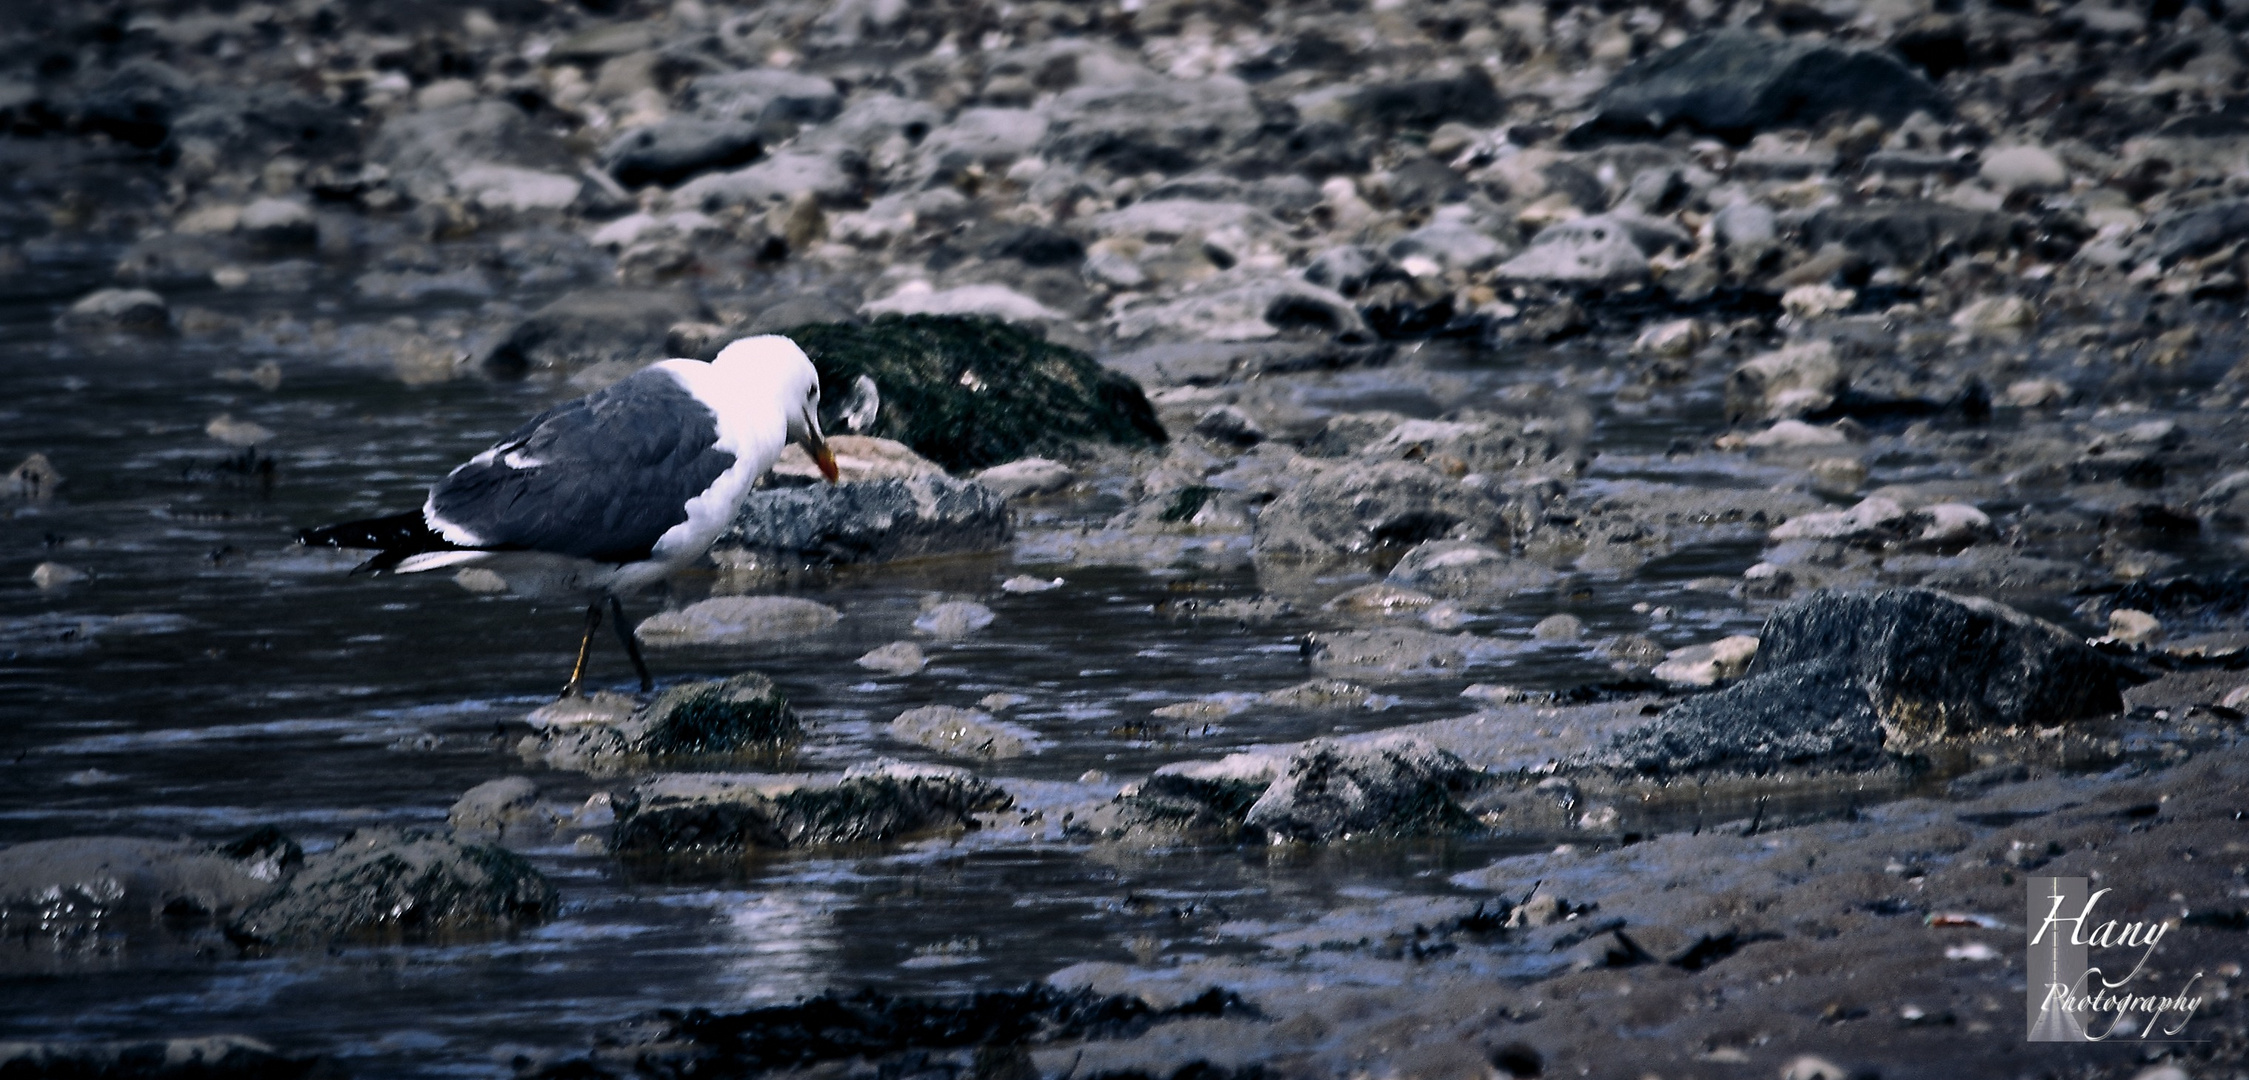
969, 393
386, 885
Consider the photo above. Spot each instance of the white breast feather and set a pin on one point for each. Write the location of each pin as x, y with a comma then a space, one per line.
753, 432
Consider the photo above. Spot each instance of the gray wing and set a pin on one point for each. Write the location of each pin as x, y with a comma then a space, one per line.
599, 478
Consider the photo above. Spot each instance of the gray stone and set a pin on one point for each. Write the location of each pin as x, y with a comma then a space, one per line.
1736, 83
764, 94
428, 151
1029, 476
954, 620
982, 137
1396, 652
966, 733
737, 620
1452, 245
1584, 251
2192, 233
400, 884
495, 805
279, 224
835, 175
1467, 97
1349, 269
136, 311
1910, 235
594, 326
1466, 570
1355, 509
1160, 125
896, 658
680, 148
869, 522
690, 814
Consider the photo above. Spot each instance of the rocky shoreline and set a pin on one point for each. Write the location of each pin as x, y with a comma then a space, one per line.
1918, 324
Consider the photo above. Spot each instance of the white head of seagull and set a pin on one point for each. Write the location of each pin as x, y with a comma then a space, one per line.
617, 489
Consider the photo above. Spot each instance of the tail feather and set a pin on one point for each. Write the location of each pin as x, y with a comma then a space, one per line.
394, 539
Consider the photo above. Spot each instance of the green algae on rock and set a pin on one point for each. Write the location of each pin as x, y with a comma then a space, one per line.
971, 393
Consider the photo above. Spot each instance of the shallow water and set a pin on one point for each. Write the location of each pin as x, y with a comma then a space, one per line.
211, 677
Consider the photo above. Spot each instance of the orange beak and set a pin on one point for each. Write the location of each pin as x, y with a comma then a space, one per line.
824, 458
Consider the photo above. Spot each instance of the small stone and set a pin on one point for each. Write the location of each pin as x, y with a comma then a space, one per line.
1495, 694
1672, 340
233, 432
2023, 168
35, 477
54, 575
2134, 627
955, 619
1710, 664
1952, 524
477, 579
1794, 435
131, 310
1809, 1067
896, 658
1559, 628
2004, 317
1817, 301
1227, 424
279, 223
1025, 583
2035, 393
2236, 697
1001, 701
1838, 476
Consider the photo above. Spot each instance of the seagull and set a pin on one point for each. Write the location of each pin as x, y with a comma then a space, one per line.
614, 491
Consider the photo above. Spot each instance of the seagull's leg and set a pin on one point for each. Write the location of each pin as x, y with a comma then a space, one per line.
632, 645
585, 647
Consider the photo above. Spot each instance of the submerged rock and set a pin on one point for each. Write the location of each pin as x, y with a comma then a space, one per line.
714, 720
867, 522
973, 393
716, 813
494, 806
394, 884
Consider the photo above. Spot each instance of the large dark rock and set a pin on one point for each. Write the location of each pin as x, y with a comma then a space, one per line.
232, 1056
1734, 84
594, 325
1390, 787
681, 147
1855, 681
1911, 235
690, 814
869, 522
400, 884
873, 1031
1357, 509
741, 718
1809, 716
2186, 234
969, 393
1467, 98
1939, 665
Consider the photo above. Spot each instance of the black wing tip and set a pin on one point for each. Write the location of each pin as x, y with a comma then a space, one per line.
393, 539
